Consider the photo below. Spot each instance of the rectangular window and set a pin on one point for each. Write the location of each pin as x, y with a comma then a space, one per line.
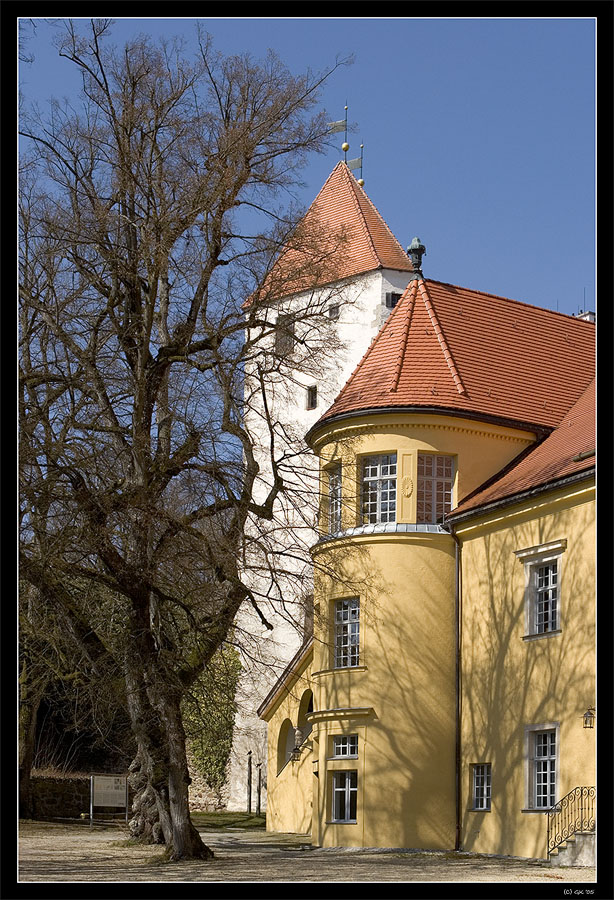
345, 791
481, 786
434, 491
334, 499
379, 488
392, 300
312, 396
542, 574
545, 601
347, 633
345, 745
544, 768
284, 335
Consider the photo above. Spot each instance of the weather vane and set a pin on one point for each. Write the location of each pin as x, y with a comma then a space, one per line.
342, 125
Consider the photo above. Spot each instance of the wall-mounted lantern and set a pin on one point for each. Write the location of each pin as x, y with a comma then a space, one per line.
296, 754
588, 719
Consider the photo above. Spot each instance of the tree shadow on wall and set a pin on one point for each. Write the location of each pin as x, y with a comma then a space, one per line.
509, 683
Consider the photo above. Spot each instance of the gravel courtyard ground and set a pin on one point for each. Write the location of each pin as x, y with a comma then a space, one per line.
56, 852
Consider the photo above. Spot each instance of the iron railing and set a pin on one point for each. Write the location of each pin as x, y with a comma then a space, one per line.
573, 814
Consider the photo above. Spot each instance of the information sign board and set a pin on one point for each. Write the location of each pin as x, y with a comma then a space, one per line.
108, 790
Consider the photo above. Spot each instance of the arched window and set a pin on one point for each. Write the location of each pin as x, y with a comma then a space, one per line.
305, 707
285, 744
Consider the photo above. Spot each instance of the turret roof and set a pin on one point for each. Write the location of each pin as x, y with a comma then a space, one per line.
463, 351
348, 235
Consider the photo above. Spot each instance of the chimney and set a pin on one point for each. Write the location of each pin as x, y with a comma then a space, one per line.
585, 315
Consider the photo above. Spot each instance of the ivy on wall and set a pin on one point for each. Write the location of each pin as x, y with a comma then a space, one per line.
209, 712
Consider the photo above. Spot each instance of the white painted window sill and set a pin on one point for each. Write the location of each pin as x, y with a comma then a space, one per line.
543, 634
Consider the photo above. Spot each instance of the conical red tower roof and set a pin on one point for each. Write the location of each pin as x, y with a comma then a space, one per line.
348, 237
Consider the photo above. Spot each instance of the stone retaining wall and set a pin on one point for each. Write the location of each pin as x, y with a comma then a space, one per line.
60, 798
66, 797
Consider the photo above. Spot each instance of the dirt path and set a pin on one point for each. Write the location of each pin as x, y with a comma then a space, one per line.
52, 852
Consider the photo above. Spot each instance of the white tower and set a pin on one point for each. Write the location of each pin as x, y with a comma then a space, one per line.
357, 296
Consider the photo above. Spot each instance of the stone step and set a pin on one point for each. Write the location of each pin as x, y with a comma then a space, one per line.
577, 850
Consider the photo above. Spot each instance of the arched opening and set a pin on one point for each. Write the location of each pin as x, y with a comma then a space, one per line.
285, 744
305, 707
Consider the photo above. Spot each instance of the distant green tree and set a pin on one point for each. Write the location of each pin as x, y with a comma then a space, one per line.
209, 711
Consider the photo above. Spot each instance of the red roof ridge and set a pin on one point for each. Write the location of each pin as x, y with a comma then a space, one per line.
361, 216
354, 185
460, 387
413, 290
360, 197
541, 309
339, 165
559, 455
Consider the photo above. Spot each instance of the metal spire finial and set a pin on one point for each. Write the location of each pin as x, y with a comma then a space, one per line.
342, 125
415, 251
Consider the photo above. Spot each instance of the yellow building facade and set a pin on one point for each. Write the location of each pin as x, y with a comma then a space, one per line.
521, 688
442, 685
446, 698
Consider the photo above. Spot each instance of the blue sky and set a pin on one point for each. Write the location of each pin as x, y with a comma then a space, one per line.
478, 133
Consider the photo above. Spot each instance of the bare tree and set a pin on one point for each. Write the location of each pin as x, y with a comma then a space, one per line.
149, 215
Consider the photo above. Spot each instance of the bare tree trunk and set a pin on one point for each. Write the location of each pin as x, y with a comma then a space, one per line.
151, 820
28, 711
186, 841
145, 823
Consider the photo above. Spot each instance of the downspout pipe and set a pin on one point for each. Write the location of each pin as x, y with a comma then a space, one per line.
448, 526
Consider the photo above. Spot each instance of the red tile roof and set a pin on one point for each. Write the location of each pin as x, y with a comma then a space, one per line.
568, 451
348, 236
460, 350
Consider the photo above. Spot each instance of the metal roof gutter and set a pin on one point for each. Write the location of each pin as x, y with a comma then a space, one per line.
540, 431
452, 519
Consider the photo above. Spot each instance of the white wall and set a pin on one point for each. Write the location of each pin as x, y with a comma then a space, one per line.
362, 313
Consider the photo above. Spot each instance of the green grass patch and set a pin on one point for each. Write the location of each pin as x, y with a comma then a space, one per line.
218, 821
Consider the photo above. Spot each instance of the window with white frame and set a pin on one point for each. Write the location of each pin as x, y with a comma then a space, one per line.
481, 786
334, 499
542, 567
546, 597
543, 768
345, 745
434, 487
344, 796
379, 488
347, 633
